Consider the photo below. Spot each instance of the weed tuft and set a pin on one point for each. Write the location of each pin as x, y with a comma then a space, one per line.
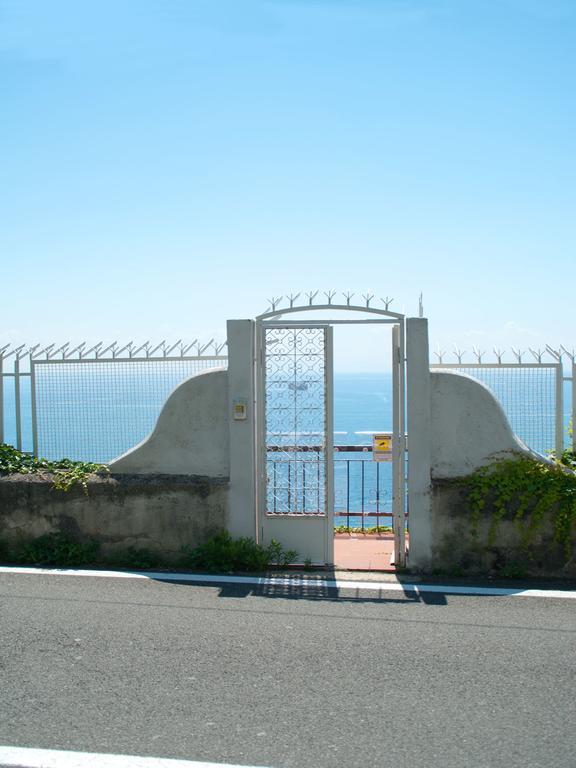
223, 554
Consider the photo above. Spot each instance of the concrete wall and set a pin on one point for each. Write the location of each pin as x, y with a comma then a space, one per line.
418, 409
469, 430
458, 548
161, 513
241, 432
191, 436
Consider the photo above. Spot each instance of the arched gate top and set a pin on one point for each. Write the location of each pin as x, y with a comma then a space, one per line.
275, 311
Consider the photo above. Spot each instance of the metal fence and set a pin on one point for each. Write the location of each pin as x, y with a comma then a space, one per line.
95, 402
535, 388
92, 403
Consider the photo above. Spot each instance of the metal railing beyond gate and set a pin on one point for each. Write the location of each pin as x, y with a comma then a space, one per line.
362, 487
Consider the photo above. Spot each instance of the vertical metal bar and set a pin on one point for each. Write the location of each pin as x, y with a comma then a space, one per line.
261, 441
304, 486
378, 496
362, 466
1, 399
573, 420
295, 429
17, 403
559, 410
275, 484
33, 403
318, 480
348, 493
403, 447
398, 452
329, 443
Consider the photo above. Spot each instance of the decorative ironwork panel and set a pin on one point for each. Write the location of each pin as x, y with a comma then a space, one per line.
295, 420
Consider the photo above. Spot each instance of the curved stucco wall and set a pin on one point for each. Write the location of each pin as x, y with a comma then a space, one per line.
469, 428
191, 436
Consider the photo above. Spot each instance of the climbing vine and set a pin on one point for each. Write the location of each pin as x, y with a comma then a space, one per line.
526, 491
66, 473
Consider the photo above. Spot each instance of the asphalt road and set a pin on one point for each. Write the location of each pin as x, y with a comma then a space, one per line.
277, 677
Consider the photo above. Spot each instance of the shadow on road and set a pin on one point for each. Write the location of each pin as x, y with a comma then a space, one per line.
315, 588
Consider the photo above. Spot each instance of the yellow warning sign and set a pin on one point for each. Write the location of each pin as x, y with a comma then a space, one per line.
382, 447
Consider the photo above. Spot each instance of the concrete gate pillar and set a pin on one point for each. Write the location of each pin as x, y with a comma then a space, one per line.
419, 442
242, 504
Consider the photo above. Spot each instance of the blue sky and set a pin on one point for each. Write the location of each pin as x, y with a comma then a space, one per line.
168, 164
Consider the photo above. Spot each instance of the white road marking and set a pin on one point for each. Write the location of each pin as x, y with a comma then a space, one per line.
306, 582
52, 758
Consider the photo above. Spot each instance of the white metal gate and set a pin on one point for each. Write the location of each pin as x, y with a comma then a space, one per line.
295, 438
294, 429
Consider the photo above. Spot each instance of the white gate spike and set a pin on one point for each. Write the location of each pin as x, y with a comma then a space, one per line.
479, 353
387, 301
141, 347
274, 303
311, 296
459, 353
518, 354
537, 353
556, 354
95, 349
368, 298
79, 349
329, 295
499, 354
348, 296
292, 298
570, 354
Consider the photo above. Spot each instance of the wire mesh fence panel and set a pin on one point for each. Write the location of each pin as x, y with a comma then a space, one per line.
528, 395
95, 410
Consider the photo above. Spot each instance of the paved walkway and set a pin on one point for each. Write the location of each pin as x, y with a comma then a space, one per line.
360, 552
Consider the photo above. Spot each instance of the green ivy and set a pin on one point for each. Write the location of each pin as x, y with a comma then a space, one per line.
66, 472
526, 490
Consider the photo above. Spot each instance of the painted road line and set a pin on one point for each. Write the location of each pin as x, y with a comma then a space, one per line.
307, 582
23, 757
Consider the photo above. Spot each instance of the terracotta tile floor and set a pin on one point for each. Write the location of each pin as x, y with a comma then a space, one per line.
364, 553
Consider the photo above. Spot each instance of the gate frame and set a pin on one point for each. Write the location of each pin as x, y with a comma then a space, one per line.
275, 318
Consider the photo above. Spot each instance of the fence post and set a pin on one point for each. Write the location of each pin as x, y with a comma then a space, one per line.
419, 443
242, 502
33, 406
17, 403
1, 398
559, 447
573, 424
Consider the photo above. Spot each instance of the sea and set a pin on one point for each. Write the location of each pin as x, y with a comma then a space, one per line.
99, 415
